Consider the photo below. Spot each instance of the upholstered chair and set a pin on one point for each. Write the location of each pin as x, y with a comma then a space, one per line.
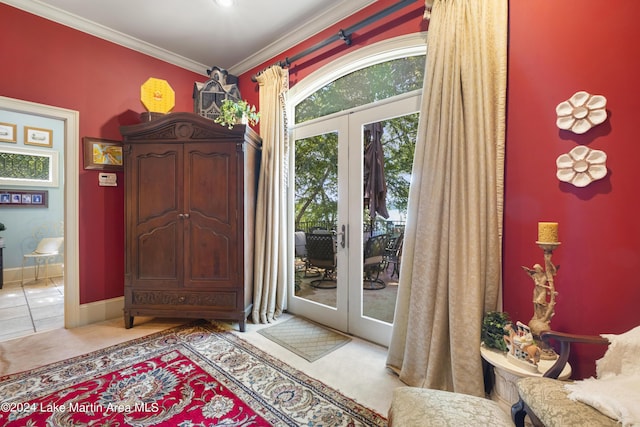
545, 400
421, 407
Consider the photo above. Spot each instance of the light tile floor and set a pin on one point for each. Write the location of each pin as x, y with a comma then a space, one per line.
35, 307
356, 369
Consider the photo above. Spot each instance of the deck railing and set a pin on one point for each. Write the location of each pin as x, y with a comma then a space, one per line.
378, 227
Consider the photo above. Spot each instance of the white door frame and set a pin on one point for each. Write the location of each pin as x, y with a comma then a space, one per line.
368, 328
70, 118
347, 316
334, 317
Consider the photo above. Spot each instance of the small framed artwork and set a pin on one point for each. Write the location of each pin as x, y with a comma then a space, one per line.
24, 198
8, 132
102, 154
37, 136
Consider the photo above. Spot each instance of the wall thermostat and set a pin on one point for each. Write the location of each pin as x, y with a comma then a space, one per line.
107, 180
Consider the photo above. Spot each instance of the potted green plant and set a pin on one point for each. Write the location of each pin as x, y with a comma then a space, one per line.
493, 331
237, 112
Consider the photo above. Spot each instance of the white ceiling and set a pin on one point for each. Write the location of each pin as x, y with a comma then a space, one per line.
199, 34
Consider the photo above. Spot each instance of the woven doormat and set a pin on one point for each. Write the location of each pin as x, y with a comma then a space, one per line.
306, 339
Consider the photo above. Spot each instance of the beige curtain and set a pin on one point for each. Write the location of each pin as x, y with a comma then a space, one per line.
270, 272
451, 267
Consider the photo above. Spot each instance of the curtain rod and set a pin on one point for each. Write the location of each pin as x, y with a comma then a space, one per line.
344, 35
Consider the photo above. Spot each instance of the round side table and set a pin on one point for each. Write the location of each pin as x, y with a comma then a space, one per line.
506, 374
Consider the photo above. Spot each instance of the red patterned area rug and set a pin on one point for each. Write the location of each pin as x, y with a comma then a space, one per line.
191, 376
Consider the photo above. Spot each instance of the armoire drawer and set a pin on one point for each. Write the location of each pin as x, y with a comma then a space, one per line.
218, 299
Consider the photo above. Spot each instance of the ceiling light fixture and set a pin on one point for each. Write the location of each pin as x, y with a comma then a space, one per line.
224, 3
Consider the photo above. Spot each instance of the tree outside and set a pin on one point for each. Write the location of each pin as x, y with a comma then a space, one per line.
316, 171
316, 157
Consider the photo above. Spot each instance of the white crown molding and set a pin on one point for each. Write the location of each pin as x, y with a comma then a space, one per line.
301, 33
86, 26
295, 36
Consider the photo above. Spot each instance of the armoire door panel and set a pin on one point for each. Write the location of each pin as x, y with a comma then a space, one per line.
211, 260
157, 225
157, 256
158, 180
210, 182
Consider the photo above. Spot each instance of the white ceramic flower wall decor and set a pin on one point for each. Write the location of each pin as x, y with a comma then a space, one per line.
581, 166
581, 112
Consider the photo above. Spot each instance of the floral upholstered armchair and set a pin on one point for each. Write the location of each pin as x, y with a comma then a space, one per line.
610, 400
422, 407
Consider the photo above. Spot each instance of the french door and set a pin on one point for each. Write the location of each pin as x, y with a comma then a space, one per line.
333, 288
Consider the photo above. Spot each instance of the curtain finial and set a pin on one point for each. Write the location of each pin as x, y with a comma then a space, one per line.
428, 4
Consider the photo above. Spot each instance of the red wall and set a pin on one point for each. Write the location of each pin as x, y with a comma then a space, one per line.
556, 49
48, 63
56, 65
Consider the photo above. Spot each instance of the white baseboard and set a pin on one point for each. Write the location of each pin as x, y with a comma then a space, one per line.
100, 311
14, 275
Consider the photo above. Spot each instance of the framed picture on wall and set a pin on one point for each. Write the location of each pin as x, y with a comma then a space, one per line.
8, 132
37, 136
28, 167
102, 154
24, 198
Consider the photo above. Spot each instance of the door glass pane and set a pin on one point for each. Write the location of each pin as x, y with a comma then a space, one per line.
316, 210
387, 161
374, 83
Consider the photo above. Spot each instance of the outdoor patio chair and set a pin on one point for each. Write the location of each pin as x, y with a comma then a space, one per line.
393, 254
321, 253
300, 244
374, 262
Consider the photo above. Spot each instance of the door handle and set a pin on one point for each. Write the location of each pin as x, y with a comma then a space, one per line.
343, 236
183, 216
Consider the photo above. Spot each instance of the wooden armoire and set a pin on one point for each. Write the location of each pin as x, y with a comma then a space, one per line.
190, 189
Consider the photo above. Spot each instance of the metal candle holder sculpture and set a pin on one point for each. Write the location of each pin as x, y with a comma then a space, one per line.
544, 291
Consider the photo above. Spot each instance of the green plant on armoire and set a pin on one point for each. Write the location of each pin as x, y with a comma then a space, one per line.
236, 112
